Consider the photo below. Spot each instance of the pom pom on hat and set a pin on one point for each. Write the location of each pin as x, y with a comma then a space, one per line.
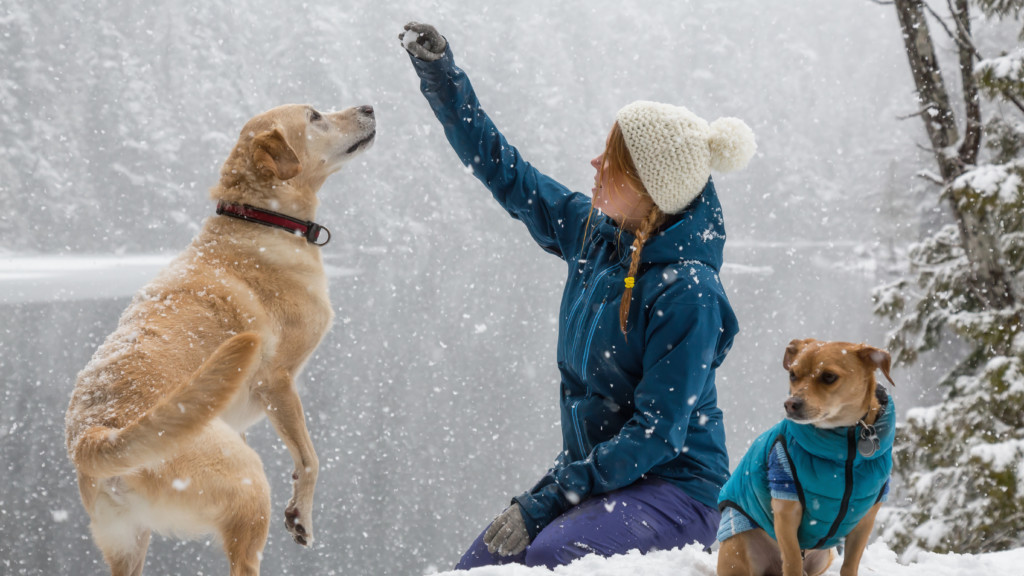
674, 150
732, 144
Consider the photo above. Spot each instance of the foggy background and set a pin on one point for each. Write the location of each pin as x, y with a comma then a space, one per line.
434, 398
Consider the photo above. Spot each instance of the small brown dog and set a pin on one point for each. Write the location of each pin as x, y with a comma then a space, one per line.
817, 477
208, 348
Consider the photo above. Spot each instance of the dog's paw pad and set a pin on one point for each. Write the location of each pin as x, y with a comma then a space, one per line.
294, 526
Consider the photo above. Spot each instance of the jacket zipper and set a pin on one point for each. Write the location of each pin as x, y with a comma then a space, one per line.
579, 428
592, 289
575, 305
583, 374
590, 339
572, 310
844, 507
579, 324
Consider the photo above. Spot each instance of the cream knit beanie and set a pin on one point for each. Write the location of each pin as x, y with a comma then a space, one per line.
674, 150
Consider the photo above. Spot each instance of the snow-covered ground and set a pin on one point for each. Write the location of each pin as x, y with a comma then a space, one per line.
691, 561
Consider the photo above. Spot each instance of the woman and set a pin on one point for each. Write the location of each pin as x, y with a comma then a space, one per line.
644, 323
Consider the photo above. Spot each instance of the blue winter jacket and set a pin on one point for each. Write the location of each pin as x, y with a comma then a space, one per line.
630, 407
835, 484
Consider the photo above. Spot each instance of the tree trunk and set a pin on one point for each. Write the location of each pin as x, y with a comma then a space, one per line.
971, 144
938, 116
978, 237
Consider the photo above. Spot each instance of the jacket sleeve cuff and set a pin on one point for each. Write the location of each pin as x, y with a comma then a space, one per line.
529, 508
541, 507
428, 70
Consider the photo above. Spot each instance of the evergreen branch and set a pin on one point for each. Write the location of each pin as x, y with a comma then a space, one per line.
1013, 99
931, 177
964, 367
920, 112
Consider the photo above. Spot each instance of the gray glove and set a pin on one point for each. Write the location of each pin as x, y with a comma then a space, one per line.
423, 41
507, 535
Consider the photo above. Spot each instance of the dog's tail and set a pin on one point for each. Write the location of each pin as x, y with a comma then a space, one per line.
103, 452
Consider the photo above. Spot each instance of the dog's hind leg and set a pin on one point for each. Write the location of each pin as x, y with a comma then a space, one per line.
114, 526
130, 563
244, 538
245, 522
127, 555
242, 493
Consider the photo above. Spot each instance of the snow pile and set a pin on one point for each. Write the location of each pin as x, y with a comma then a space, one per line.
692, 561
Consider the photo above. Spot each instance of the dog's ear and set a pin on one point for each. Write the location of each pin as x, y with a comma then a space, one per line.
876, 358
274, 157
794, 348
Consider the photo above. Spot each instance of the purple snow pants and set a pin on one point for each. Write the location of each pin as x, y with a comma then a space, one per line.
651, 514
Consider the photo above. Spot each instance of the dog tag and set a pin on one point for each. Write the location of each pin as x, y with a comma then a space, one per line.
868, 443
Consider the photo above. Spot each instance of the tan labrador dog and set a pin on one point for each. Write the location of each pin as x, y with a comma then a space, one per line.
214, 343
832, 389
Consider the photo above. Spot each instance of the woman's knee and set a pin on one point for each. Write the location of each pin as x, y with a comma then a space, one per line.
478, 555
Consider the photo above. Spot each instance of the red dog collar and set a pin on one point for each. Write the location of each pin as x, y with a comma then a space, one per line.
311, 231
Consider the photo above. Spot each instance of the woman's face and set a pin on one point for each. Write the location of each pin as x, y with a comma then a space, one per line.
616, 198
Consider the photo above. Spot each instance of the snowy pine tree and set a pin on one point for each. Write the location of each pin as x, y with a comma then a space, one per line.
960, 462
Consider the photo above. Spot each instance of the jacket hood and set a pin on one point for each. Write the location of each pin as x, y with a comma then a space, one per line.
698, 234
831, 443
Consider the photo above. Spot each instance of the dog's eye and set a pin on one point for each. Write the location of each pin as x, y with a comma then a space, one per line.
314, 116
829, 378
792, 376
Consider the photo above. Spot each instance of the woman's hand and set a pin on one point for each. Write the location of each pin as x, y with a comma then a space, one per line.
507, 535
423, 41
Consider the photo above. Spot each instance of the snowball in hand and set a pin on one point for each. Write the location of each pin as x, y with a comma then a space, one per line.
409, 38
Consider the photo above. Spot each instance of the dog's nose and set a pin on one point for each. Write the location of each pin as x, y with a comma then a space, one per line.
794, 405
366, 109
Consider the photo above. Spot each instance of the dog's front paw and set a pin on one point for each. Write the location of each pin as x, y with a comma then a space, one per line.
299, 525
